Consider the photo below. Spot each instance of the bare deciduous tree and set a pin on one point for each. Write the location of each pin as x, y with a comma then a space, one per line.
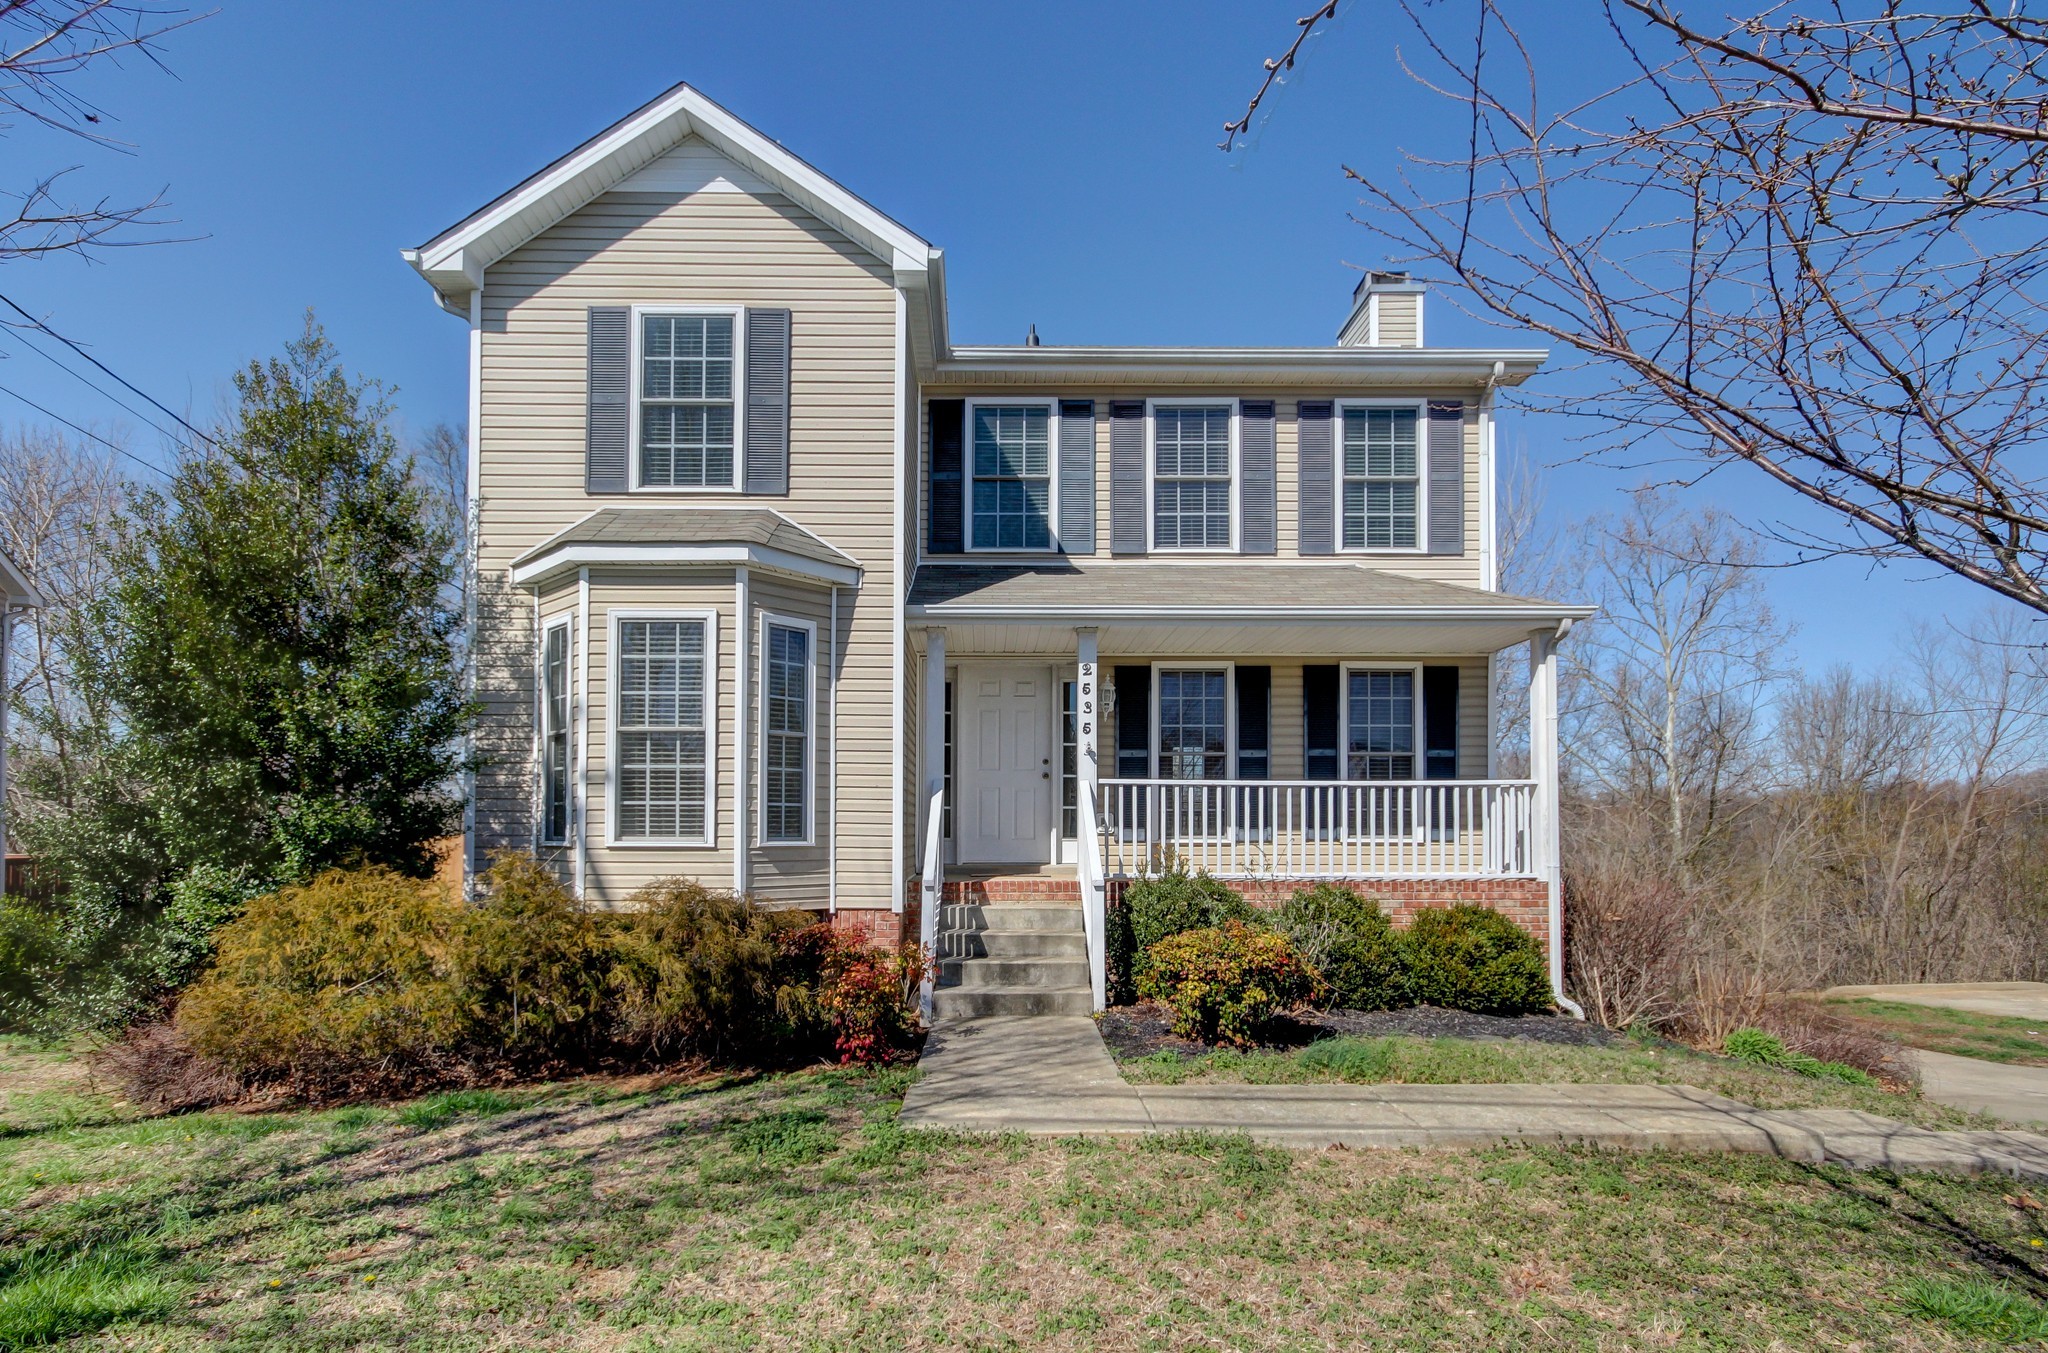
44, 46
1806, 240
1670, 681
62, 498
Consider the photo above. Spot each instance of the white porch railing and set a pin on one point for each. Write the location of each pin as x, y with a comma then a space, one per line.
1321, 829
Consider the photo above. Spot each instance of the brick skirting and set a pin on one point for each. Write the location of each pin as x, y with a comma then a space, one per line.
878, 926
1524, 901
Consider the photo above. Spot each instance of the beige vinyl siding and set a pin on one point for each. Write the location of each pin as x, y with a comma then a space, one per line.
1287, 728
708, 248
616, 870
794, 874
1461, 569
1400, 319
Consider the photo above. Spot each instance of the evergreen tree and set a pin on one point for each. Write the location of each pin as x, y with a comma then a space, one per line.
276, 656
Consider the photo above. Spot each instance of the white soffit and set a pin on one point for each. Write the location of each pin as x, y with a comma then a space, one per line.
453, 261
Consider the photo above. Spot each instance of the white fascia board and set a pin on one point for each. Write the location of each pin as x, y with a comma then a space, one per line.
612, 155
1082, 614
1451, 365
586, 554
15, 588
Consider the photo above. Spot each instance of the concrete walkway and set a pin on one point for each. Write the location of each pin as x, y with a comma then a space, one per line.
1052, 1076
2016, 1093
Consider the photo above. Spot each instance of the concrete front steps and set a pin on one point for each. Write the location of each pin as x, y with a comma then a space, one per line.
1011, 958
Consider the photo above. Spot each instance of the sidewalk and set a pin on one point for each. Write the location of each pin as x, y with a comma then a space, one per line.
1052, 1076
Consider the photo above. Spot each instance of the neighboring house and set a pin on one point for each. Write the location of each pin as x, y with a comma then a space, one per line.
783, 590
16, 596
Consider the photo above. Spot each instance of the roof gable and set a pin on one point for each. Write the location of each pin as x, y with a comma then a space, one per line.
677, 139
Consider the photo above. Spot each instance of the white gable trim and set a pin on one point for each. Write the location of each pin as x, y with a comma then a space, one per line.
453, 261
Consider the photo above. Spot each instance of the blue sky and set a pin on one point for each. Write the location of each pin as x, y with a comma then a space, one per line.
1063, 154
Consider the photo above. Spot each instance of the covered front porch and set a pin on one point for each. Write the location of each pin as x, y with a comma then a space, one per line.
1106, 724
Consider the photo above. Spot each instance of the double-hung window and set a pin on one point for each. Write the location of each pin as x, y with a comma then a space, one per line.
785, 732
1194, 724
1382, 472
1191, 473
554, 731
688, 418
1379, 737
662, 745
1010, 451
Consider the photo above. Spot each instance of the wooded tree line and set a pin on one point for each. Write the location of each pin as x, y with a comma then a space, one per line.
1736, 826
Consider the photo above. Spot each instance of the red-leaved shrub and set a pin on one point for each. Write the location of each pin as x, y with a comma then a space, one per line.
861, 998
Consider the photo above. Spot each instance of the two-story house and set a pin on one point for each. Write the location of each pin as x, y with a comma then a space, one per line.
779, 588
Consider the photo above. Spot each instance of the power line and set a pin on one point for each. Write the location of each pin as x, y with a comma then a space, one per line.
173, 415
84, 380
84, 432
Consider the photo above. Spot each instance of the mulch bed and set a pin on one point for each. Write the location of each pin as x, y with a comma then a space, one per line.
1141, 1030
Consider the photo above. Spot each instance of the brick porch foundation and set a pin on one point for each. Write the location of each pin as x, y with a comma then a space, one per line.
1526, 902
878, 926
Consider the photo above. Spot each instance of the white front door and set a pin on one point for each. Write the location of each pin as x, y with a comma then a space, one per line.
1003, 779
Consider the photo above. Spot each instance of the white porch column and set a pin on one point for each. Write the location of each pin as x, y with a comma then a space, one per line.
1087, 706
1543, 769
931, 767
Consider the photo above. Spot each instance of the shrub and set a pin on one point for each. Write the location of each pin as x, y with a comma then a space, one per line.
1225, 983
533, 963
860, 1000
1350, 944
200, 901
1153, 909
158, 1069
1766, 1049
695, 969
31, 952
355, 974
1473, 958
1624, 942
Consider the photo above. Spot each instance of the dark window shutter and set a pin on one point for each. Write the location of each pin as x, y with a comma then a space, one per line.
1255, 723
1446, 476
1127, 477
1321, 738
767, 428
1439, 723
942, 529
1133, 723
608, 359
1077, 476
1316, 448
1257, 529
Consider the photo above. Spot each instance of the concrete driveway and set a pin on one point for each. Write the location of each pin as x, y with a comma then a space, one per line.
2020, 1000
2018, 1093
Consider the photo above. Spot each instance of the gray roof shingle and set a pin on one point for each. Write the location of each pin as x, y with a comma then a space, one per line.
692, 526
1194, 587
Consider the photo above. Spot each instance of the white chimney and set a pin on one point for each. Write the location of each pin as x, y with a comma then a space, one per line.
1386, 312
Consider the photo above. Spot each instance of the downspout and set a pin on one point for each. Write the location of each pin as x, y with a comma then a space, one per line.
1489, 484
832, 761
1554, 863
742, 707
471, 546
579, 811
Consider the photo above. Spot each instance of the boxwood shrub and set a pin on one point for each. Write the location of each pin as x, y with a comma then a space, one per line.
1153, 909
1347, 939
1473, 958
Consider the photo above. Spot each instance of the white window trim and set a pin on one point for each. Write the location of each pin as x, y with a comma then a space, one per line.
713, 716
1152, 407
810, 629
1344, 718
1052, 465
1421, 407
567, 621
1229, 670
739, 398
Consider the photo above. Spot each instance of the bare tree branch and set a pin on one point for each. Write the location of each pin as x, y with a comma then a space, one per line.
1809, 245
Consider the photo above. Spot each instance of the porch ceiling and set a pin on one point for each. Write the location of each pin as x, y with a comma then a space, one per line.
1268, 607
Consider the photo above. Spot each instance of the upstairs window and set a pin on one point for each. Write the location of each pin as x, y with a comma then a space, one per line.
687, 372
1010, 450
1382, 471
1191, 477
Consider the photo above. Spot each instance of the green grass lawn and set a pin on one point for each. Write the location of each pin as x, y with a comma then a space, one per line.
1994, 1038
792, 1212
1457, 1061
